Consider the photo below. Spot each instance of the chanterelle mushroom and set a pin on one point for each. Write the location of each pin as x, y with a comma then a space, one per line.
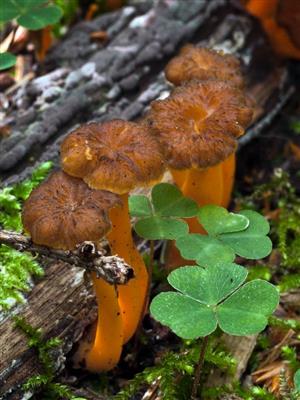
61, 213
118, 156
198, 127
203, 64
194, 63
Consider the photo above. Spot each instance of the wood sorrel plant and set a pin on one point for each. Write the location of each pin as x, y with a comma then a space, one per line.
212, 293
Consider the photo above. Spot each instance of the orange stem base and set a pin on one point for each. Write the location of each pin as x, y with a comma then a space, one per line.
102, 352
208, 186
132, 296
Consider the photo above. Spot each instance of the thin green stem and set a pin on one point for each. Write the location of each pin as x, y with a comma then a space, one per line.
150, 266
198, 371
146, 301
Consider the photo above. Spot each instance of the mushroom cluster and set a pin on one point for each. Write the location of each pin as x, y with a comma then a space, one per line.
198, 126
193, 132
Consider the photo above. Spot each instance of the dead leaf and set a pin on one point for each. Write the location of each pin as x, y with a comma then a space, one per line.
5, 131
295, 149
100, 36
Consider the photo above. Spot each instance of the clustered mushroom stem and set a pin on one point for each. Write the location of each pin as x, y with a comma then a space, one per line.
228, 166
208, 186
205, 186
105, 351
132, 296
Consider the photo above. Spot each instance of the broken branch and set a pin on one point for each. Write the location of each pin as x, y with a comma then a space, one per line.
112, 269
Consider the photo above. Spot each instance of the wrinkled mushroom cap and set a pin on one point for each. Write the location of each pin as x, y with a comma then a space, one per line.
203, 64
115, 155
63, 212
198, 125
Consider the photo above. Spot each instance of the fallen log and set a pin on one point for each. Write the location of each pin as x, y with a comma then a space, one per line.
87, 80
120, 77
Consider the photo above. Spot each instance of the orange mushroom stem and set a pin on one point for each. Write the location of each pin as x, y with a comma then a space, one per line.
118, 156
61, 213
201, 188
132, 295
102, 351
280, 20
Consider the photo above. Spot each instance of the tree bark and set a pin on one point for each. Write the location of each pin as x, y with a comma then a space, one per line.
62, 304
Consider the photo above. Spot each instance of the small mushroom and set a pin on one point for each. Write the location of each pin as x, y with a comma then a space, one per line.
61, 213
118, 156
198, 127
203, 64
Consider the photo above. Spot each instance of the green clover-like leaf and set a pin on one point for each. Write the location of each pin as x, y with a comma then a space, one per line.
8, 10
160, 220
297, 380
252, 242
215, 296
11, 9
206, 250
38, 18
186, 317
157, 228
247, 310
208, 285
168, 201
7, 60
29, 4
217, 220
139, 206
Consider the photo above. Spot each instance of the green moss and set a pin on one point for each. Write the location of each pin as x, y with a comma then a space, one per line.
288, 231
259, 272
288, 282
284, 323
12, 197
253, 393
174, 372
44, 383
17, 268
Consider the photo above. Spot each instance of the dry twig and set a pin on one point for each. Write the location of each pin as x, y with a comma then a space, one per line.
112, 269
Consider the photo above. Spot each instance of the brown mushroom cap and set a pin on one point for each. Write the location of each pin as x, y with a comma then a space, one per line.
199, 123
115, 155
63, 212
203, 64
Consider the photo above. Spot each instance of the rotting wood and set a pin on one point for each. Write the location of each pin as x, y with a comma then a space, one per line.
62, 304
241, 348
